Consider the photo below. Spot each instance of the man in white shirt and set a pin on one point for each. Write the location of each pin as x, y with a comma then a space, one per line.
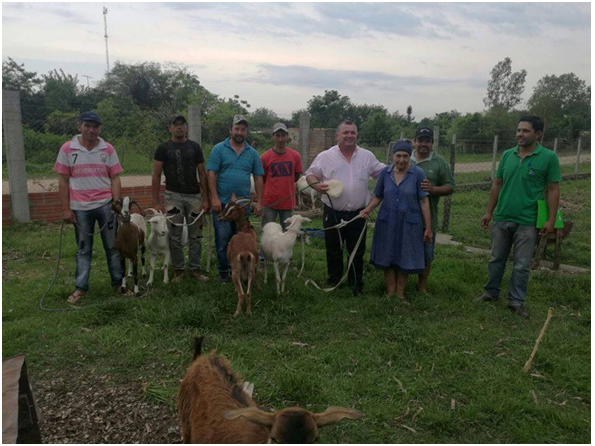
352, 166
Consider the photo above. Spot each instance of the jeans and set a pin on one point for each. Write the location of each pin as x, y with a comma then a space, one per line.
504, 236
334, 249
85, 226
270, 215
189, 206
224, 231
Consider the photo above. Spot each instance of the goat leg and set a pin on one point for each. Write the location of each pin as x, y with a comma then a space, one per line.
152, 260
266, 262
123, 265
142, 259
135, 274
166, 267
284, 277
277, 277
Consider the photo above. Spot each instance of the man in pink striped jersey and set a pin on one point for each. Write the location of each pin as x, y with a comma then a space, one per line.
88, 170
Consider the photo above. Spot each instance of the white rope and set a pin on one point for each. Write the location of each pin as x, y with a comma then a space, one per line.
170, 217
342, 224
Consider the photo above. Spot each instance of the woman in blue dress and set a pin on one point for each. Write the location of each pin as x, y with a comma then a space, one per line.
399, 234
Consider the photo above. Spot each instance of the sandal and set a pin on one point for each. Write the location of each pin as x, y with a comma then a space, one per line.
76, 296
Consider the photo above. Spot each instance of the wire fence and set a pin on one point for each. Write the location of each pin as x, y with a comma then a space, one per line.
136, 136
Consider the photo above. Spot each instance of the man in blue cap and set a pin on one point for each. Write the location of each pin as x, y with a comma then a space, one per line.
88, 180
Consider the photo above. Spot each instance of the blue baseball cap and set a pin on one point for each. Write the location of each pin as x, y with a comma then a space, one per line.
90, 116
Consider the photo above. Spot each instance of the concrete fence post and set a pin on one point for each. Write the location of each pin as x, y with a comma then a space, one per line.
578, 157
15, 156
556, 146
402, 136
305, 139
436, 143
495, 153
194, 124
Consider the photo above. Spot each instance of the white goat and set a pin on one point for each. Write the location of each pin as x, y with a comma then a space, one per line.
277, 247
158, 244
302, 187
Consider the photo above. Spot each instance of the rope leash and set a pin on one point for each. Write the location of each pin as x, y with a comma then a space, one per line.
342, 224
74, 307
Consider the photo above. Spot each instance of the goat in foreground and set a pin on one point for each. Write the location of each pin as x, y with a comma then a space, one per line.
277, 247
214, 408
242, 253
129, 239
158, 243
303, 188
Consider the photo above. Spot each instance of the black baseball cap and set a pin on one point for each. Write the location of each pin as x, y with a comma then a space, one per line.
177, 118
90, 117
426, 132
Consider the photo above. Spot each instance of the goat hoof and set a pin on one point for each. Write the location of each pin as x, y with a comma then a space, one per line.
236, 314
249, 313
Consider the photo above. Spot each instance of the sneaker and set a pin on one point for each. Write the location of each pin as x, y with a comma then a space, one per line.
196, 274
520, 310
223, 276
485, 297
178, 276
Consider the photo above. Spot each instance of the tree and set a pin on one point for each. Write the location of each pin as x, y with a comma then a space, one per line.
16, 78
263, 118
361, 113
61, 91
378, 129
505, 87
164, 89
410, 117
329, 110
564, 102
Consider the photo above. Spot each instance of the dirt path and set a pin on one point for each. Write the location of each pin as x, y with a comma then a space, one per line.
90, 408
51, 184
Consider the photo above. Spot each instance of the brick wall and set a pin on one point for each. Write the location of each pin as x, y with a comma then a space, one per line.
45, 206
319, 140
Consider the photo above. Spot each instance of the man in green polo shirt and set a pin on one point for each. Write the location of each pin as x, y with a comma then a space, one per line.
525, 172
439, 182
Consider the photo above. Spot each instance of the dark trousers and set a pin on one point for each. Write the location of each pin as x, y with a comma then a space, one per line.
334, 250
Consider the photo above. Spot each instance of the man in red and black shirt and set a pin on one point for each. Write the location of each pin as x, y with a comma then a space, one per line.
282, 167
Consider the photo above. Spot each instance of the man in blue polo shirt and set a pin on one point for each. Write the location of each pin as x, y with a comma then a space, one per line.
230, 165
525, 172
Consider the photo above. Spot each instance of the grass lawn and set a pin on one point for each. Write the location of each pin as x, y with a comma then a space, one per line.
468, 207
458, 360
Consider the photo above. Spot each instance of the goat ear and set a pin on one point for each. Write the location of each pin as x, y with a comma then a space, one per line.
333, 415
233, 196
253, 414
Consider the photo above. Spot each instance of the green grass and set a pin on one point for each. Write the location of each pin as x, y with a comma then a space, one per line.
315, 350
468, 207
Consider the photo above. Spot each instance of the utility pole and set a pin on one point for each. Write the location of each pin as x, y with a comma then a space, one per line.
106, 47
88, 77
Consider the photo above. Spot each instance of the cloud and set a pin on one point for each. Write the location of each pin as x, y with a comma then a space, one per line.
525, 17
311, 77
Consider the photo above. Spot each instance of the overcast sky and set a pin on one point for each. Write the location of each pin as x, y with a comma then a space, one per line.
434, 56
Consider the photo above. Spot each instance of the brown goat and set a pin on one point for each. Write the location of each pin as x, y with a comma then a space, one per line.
129, 239
242, 253
214, 408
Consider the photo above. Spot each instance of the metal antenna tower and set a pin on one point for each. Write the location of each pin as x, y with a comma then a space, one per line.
106, 47
88, 77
